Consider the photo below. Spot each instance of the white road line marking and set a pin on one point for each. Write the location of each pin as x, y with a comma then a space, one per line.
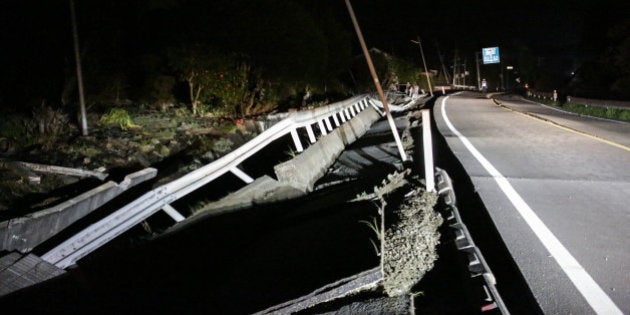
590, 290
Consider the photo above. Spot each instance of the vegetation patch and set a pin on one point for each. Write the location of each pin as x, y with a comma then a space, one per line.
410, 236
610, 113
120, 117
595, 111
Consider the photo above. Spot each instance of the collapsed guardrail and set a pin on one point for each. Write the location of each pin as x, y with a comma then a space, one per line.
69, 252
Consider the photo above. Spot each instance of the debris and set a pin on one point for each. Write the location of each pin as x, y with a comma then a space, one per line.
42, 168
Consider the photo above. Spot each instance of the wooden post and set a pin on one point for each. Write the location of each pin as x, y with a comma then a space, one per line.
392, 125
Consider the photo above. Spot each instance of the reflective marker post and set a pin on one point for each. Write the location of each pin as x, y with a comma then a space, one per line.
427, 148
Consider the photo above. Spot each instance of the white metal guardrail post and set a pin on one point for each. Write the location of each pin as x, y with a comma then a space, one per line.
322, 129
296, 140
328, 125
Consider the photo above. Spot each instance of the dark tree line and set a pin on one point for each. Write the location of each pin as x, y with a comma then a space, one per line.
222, 53
241, 56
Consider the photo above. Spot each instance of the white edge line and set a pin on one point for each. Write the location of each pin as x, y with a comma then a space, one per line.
590, 290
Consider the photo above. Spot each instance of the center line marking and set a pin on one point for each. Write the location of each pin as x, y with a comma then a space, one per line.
590, 290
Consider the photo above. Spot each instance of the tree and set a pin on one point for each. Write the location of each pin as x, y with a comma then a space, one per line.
216, 79
617, 60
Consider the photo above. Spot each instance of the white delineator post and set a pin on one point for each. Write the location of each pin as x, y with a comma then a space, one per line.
427, 145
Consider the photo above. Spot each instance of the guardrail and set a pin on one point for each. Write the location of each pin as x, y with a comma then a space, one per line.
580, 100
542, 95
466, 87
98, 234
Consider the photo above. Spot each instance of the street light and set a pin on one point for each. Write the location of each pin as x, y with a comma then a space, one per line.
426, 72
507, 83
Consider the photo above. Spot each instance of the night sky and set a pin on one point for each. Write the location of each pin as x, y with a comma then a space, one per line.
36, 52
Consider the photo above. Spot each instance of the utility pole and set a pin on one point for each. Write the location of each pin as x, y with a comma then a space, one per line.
390, 119
465, 72
77, 57
446, 77
501, 76
455, 68
426, 71
477, 53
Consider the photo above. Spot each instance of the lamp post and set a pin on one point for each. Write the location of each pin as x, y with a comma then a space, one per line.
426, 71
477, 53
507, 83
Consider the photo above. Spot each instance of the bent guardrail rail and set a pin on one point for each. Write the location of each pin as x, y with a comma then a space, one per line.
69, 252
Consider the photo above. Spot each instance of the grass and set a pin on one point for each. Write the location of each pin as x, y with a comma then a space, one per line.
611, 113
120, 117
595, 111
375, 227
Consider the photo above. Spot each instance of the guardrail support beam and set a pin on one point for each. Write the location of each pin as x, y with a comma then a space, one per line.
296, 141
240, 174
342, 114
311, 134
173, 213
347, 113
322, 128
328, 125
335, 119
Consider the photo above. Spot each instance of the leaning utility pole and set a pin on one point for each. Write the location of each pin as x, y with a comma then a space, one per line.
77, 57
447, 79
426, 71
401, 151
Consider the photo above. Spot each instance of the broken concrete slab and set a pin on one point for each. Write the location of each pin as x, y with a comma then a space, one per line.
263, 190
366, 280
24, 233
17, 272
68, 171
306, 168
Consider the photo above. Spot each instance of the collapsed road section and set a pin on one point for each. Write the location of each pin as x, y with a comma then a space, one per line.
325, 250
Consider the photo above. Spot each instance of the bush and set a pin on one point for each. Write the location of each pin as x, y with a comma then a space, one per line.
159, 91
49, 121
119, 117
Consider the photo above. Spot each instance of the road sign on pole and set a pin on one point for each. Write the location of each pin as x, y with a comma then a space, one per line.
490, 55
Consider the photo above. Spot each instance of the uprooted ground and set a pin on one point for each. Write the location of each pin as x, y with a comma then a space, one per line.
147, 139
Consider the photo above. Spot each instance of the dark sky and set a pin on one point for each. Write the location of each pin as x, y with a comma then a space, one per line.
547, 27
37, 32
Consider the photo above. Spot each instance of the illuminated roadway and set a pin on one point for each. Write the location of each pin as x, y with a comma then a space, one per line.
557, 187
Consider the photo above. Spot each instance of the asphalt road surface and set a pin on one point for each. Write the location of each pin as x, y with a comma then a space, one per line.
557, 187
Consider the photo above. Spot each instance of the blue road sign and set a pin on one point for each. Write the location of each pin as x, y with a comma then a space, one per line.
490, 55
